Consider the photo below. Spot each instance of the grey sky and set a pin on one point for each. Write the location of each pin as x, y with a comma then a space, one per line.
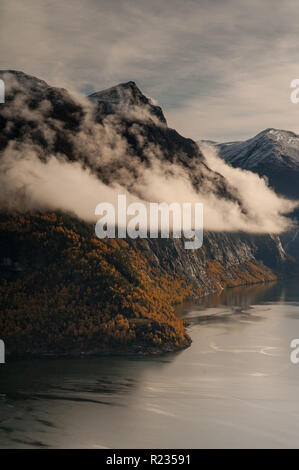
220, 69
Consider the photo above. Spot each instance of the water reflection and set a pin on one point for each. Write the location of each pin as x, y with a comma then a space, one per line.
234, 387
246, 296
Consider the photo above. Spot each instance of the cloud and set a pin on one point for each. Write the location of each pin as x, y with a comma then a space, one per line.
262, 209
220, 69
247, 104
27, 183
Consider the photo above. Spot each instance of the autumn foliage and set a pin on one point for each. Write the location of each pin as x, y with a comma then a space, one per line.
63, 291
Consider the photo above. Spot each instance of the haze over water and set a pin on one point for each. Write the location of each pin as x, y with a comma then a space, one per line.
234, 387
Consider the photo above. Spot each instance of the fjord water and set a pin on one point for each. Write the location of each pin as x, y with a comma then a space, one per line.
234, 387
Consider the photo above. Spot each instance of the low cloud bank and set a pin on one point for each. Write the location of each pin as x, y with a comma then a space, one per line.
104, 167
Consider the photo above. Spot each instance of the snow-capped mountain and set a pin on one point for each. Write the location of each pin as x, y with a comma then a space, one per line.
272, 153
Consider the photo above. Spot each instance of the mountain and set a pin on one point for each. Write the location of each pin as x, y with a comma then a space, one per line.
272, 153
64, 291
121, 121
124, 96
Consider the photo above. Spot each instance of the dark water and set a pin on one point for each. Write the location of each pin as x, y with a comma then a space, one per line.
235, 386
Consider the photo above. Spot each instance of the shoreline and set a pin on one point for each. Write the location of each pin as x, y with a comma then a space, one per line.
133, 351
129, 352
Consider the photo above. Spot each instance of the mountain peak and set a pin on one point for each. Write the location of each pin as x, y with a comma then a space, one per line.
274, 133
123, 92
23, 79
126, 95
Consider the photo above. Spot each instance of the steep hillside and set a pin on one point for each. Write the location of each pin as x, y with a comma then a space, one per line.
63, 291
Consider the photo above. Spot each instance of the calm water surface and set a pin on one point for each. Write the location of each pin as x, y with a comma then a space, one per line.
234, 387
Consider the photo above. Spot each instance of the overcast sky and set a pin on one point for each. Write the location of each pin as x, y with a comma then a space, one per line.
221, 69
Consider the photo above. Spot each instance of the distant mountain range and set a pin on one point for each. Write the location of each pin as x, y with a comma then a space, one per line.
272, 153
